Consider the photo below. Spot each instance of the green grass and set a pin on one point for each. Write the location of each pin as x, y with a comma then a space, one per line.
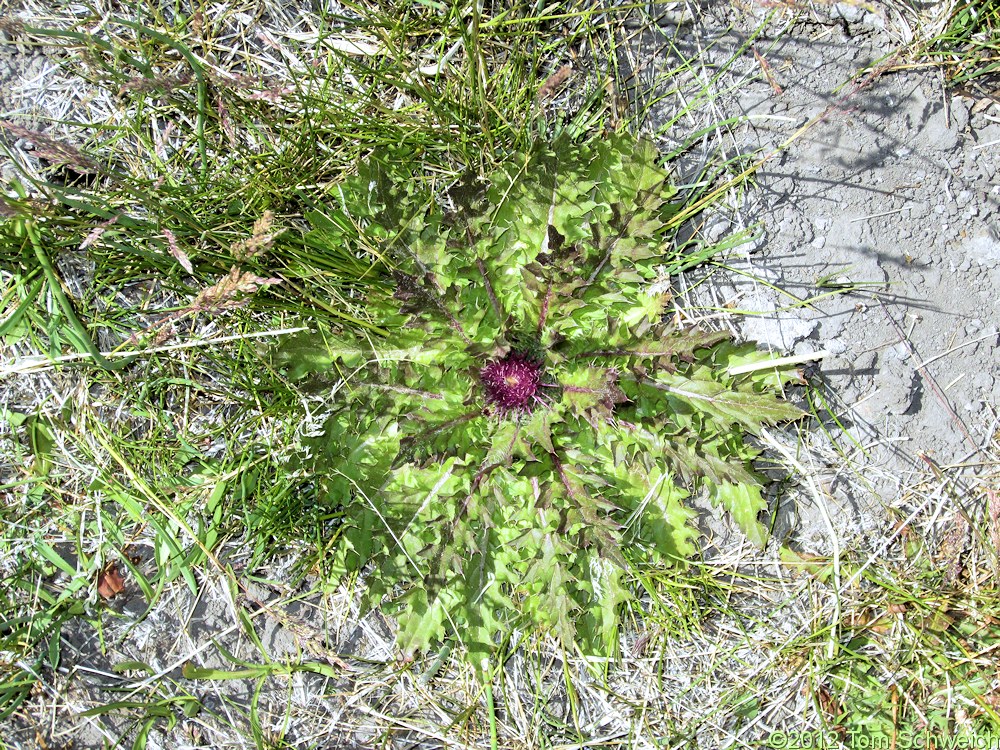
169, 196
171, 466
968, 48
167, 173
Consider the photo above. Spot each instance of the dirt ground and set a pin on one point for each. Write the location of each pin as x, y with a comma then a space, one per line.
889, 194
889, 198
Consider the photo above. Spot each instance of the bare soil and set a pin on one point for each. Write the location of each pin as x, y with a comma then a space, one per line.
889, 193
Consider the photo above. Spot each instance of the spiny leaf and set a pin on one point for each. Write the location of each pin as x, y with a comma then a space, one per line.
421, 621
598, 627
657, 511
745, 503
749, 410
537, 430
526, 437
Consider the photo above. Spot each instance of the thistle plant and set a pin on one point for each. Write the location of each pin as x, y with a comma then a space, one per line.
530, 435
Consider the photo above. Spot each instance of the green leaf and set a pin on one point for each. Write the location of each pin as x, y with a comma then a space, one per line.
658, 517
587, 388
470, 522
41, 439
537, 431
421, 621
749, 410
731, 356
599, 627
745, 503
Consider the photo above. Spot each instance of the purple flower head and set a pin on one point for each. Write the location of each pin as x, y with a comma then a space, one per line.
512, 383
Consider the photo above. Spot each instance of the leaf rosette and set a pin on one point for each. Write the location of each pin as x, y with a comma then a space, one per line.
531, 431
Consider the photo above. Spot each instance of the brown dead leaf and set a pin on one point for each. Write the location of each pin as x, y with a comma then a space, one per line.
110, 582
952, 549
829, 704
768, 73
868, 620
611, 393
553, 82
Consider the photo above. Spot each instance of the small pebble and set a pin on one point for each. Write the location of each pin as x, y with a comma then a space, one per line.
835, 346
847, 11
